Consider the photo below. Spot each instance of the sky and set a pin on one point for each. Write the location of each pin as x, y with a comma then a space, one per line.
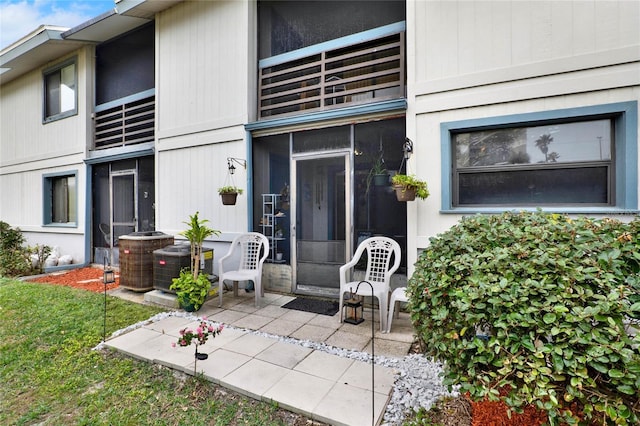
20, 17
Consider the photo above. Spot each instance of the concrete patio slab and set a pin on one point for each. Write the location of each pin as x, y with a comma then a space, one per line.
219, 364
284, 354
253, 322
326, 321
360, 373
281, 327
272, 311
228, 316
346, 405
248, 307
312, 332
254, 378
303, 377
299, 392
134, 343
322, 364
227, 336
346, 340
298, 316
169, 325
208, 310
389, 348
249, 344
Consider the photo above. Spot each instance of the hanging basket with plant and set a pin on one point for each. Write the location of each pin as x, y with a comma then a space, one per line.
229, 194
408, 187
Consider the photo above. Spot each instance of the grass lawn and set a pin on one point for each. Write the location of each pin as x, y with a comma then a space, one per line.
50, 375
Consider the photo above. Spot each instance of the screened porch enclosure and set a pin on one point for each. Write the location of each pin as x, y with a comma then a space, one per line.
335, 202
123, 198
317, 56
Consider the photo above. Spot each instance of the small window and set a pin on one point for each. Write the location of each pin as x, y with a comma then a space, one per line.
60, 97
562, 160
60, 200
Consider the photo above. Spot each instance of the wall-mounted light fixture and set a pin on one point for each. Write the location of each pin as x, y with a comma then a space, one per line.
407, 148
238, 161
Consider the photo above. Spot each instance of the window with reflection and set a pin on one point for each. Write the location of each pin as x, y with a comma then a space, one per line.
60, 199
60, 97
568, 163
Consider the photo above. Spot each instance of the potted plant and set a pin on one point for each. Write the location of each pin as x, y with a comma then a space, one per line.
408, 187
229, 194
191, 287
192, 292
378, 173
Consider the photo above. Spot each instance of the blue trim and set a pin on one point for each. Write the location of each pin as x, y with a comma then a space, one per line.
249, 182
88, 216
337, 43
124, 153
125, 100
47, 180
446, 165
378, 107
626, 154
607, 211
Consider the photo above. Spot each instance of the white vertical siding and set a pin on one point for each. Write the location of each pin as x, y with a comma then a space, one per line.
477, 59
464, 37
24, 137
203, 54
202, 65
30, 149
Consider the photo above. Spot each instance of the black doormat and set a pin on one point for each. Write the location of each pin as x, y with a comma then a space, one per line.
322, 307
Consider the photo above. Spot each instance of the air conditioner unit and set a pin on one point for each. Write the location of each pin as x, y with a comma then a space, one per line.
170, 260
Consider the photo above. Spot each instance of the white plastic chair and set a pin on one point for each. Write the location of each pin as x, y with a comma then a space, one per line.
379, 253
253, 249
398, 295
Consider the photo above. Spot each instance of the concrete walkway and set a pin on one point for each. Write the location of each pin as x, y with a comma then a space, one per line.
282, 356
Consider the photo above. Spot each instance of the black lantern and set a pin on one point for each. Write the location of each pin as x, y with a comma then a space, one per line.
353, 310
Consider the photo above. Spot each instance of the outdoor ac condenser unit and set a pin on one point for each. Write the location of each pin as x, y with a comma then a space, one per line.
169, 261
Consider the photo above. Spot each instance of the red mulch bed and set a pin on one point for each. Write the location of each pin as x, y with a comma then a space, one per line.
490, 413
84, 278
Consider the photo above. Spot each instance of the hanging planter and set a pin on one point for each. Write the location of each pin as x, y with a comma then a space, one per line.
381, 179
404, 194
229, 194
408, 187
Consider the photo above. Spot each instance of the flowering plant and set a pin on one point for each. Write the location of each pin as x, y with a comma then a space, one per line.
200, 334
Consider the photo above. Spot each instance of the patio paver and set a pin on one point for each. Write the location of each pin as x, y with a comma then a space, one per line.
299, 377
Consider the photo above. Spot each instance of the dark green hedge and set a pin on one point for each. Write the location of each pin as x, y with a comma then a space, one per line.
538, 304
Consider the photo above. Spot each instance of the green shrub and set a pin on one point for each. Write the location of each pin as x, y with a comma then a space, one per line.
13, 256
535, 304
